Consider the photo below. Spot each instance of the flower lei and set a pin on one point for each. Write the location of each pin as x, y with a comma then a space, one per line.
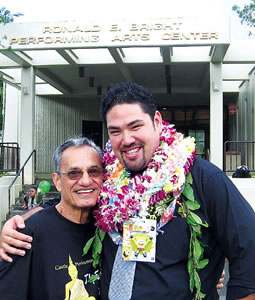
147, 195
123, 197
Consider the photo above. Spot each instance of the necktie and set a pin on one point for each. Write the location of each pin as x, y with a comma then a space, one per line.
122, 279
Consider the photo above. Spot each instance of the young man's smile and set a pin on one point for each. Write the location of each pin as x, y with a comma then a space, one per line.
132, 151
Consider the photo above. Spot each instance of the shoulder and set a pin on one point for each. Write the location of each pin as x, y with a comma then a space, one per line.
50, 202
205, 172
202, 165
209, 179
213, 186
41, 217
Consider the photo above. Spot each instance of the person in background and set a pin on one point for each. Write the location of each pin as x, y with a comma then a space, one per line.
30, 198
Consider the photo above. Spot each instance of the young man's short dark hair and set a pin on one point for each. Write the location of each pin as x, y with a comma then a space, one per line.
127, 93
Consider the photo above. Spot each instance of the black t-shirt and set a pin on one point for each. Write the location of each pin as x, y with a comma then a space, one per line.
230, 234
54, 267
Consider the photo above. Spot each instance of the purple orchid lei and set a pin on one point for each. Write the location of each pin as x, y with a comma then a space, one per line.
123, 197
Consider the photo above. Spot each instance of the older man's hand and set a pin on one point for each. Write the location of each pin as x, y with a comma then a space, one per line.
220, 284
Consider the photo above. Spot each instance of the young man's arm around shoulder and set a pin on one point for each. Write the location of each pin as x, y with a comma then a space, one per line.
12, 241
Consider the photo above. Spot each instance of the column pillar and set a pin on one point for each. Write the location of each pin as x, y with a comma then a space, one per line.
216, 115
27, 117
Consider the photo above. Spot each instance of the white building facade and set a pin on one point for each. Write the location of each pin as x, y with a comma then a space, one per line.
55, 75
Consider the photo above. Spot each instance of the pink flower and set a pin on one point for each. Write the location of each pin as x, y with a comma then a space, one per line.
167, 216
120, 196
165, 123
162, 194
125, 189
109, 159
154, 164
174, 179
140, 188
133, 204
147, 178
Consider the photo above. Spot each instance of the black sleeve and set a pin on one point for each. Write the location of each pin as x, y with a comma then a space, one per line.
14, 277
51, 202
233, 223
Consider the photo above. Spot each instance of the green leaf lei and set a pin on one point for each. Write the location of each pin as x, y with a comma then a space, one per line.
96, 243
196, 247
196, 261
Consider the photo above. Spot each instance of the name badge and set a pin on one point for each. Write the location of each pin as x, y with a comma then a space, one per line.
139, 240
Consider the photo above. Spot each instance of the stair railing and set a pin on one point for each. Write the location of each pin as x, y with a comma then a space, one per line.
237, 153
21, 171
9, 157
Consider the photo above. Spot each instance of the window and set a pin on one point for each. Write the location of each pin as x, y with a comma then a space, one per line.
199, 135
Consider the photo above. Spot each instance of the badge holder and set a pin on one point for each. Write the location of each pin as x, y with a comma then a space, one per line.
139, 240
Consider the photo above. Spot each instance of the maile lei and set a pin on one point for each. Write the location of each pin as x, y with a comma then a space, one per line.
167, 179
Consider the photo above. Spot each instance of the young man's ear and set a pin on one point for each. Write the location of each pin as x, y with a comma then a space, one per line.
158, 121
56, 181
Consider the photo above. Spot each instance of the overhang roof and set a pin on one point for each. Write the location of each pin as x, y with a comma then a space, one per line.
177, 72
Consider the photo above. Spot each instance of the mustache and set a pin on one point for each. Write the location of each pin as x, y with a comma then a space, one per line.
126, 148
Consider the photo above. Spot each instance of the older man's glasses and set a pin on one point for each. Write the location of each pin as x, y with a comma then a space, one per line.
77, 174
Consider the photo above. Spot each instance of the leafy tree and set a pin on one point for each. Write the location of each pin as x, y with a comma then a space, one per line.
6, 16
247, 14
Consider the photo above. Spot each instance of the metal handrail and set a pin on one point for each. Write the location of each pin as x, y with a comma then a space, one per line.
22, 178
10, 145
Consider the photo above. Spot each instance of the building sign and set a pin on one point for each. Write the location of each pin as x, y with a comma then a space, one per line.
232, 109
172, 31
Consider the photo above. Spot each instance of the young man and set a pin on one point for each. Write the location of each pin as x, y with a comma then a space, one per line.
146, 181
55, 268
158, 160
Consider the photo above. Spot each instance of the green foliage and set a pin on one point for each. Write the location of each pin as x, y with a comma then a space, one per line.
252, 174
246, 14
196, 247
94, 278
95, 243
6, 16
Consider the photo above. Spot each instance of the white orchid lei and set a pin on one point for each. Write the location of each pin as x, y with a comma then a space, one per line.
167, 178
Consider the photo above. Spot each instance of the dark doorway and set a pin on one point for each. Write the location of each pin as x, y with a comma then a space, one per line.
93, 130
191, 121
194, 121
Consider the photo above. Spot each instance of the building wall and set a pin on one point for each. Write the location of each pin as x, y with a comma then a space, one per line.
246, 188
58, 119
11, 119
245, 123
5, 182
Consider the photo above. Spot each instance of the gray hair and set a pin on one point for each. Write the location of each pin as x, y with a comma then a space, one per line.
73, 142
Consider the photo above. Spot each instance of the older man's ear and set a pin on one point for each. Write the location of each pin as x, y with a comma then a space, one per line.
56, 181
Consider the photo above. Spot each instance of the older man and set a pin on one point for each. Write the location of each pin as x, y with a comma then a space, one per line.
54, 268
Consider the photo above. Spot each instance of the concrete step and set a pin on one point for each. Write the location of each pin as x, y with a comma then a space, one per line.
17, 209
